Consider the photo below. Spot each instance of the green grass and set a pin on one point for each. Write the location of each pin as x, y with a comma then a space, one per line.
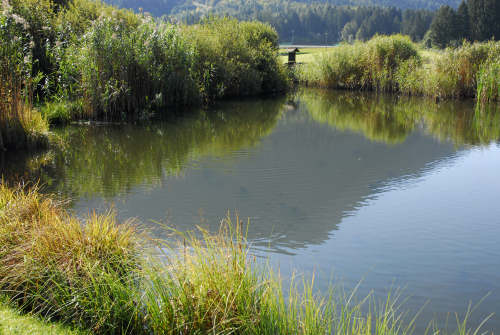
305, 55
13, 322
104, 276
372, 65
395, 64
21, 126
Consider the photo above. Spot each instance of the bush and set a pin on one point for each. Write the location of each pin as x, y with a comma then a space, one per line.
372, 65
236, 58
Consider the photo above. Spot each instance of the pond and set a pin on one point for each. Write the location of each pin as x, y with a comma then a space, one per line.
393, 192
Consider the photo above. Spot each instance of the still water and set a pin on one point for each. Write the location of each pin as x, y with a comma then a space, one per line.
396, 192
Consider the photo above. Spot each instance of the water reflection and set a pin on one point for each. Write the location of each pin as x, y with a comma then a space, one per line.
109, 160
359, 183
296, 165
390, 119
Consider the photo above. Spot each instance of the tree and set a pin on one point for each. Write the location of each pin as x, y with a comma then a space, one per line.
485, 19
349, 31
444, 27
463, 21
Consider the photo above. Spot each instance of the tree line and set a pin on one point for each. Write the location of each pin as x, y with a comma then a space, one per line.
473, 20
323, 23
167, 7
441, 23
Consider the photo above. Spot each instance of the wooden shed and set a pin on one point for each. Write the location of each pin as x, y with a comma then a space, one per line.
292, 55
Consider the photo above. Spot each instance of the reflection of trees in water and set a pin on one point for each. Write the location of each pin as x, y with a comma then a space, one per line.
390, 119
109, 160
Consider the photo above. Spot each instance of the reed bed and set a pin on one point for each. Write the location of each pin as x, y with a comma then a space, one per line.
371, 65
107, 277
83, 59
395, 64
20, 125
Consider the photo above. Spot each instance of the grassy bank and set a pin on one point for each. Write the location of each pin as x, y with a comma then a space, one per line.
305, 55
13, 322
395, 64
83, 59
106, 277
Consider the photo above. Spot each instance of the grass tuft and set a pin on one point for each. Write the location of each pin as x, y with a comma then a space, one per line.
96, 274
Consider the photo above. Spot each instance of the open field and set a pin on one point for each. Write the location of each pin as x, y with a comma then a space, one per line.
305, 55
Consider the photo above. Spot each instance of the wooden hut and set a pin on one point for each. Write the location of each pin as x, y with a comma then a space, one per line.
292, 55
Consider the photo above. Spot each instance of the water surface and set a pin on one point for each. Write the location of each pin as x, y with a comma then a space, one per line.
396, 192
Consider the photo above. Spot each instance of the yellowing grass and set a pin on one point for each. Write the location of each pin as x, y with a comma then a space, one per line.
98, 274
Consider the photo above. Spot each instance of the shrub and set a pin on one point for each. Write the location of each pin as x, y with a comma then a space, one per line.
235, 58
372, 65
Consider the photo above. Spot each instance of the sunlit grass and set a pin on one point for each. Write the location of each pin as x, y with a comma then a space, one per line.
385, 63
305, 55
13, 322
103, 276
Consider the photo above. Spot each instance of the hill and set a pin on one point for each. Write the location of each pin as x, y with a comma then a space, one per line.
167, 7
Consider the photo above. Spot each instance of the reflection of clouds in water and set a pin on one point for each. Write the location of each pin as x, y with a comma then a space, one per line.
334, 182
298, 171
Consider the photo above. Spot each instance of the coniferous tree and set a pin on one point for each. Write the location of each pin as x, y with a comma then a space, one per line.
485, 19
444, 27
463, 21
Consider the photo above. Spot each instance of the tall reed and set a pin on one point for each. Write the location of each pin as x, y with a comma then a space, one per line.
368, 65
20, 125
488, 82
96, 274
394, 63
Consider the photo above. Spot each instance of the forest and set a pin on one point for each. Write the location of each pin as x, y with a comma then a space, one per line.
166, 7
329, 22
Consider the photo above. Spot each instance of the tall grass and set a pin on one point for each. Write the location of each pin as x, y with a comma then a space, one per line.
77, 271
117, 65
368, 65
453, 73
20, 125
127, 72
488, 82
394, 63
96, 274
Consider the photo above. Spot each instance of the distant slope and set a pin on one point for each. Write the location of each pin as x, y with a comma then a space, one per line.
167, 7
